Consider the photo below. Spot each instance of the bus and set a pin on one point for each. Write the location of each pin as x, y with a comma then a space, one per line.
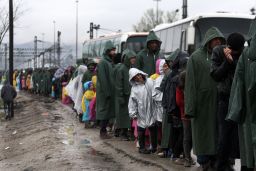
188, 34
93, 48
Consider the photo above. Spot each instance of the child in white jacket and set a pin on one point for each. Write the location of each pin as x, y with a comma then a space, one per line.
140, 107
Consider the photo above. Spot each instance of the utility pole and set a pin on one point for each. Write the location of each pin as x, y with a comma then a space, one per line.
50, 57
185, 9
91, 30
54, 61
35, 52
43, 60
76, 30
58, 47
11, 42
157, 18
5, 56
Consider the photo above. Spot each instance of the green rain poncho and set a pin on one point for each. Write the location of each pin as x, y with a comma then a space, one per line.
147, 60
122, 92
242, 102
201, 97
105, 88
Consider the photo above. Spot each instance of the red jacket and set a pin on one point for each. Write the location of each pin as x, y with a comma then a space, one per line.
180, 102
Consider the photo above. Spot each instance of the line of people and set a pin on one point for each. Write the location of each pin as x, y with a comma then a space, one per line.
202, 103
187, 99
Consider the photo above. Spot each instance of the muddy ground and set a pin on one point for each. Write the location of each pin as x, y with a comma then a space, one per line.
46, 135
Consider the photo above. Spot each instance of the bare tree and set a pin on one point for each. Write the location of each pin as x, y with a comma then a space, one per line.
4, 16
148, 21
171, 16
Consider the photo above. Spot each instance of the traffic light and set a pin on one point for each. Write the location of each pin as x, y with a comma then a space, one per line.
91, 30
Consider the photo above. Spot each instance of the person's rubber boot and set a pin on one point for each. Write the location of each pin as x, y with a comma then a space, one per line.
117, 132
125, 137
144, 151
80, 118
104, 136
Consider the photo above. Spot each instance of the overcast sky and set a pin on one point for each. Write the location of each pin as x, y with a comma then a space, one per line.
110, 14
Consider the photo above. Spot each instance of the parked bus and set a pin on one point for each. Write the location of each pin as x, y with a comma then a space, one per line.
93, 48
188, 34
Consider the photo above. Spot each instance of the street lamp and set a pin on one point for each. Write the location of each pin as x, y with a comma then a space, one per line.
157, 10
11, 43
76, 28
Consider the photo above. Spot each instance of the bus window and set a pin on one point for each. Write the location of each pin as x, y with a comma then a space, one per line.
163, 38
176, 37
93, 47
89, 49
102, 47
85, 50
136, 43
225, 25
169, 40
97, 48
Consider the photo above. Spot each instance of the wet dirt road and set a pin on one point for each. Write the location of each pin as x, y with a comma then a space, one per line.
45, 135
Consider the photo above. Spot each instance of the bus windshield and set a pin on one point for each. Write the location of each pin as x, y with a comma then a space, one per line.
136, 43
225, 25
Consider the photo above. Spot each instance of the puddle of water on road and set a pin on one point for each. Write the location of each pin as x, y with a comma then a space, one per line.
85, 142
69, 132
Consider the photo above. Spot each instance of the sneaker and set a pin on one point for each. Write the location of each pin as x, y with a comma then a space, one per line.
137, 144
179, 161
144, 151
162, 153
80, 117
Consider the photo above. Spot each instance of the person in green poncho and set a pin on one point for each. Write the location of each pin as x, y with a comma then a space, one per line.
146, 58
105, 89
242, 102
201, 99
122, 93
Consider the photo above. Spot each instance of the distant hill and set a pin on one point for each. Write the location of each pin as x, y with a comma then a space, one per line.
25, 51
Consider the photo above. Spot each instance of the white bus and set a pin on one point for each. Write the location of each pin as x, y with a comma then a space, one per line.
93, 48
188, 34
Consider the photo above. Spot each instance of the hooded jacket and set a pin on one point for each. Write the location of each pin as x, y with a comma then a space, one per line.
123, 90
79, 89
157, 94
140, 101
88, 74
105, 87
201, 97
147, 60
242, 102
8, 93
172, 81
87, 97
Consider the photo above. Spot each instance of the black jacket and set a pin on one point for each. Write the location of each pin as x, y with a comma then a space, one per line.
8, 93
222, 71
